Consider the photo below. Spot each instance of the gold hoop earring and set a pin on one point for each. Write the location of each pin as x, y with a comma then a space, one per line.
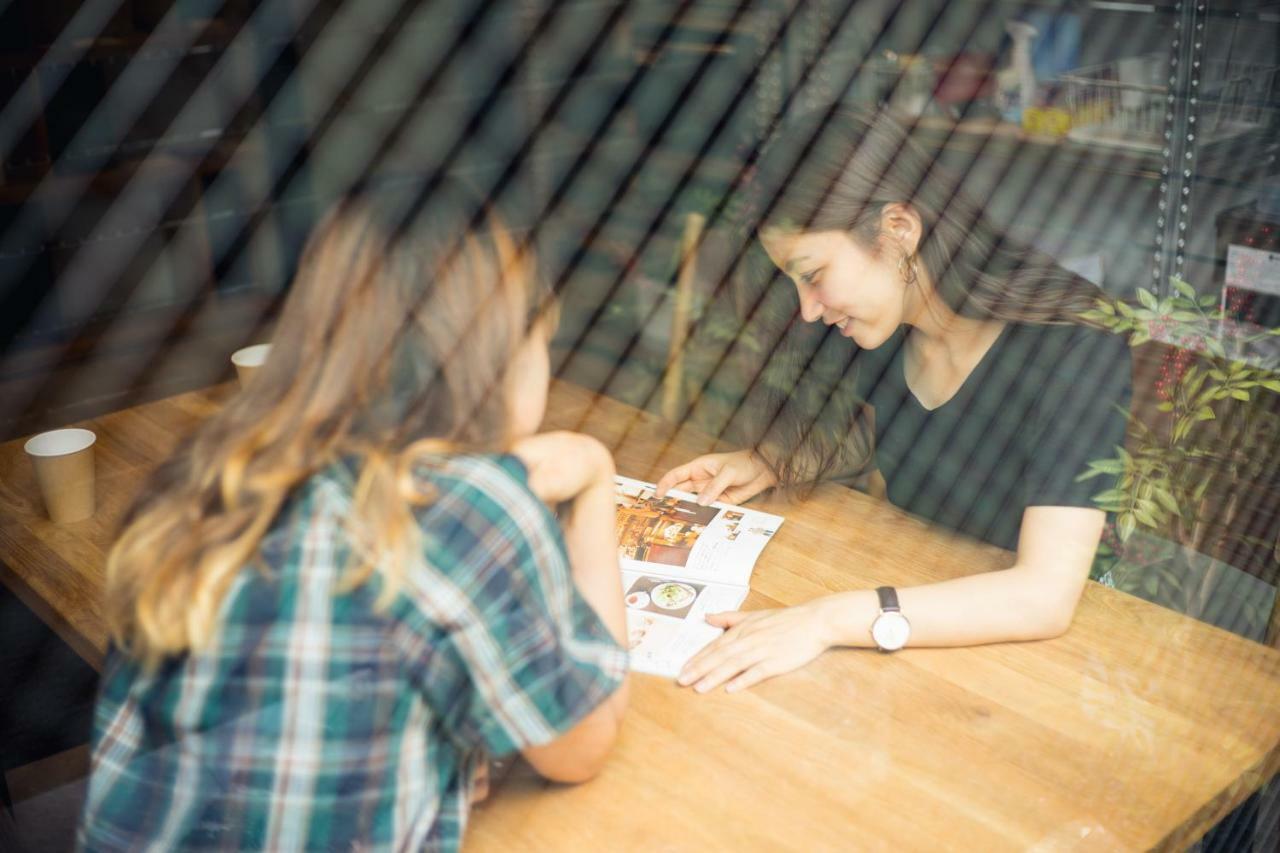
907, 269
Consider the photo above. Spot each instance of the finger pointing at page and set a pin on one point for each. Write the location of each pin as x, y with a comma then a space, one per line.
723, 479
676, 478
689, 476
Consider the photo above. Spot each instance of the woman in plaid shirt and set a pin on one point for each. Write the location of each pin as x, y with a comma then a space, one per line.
348, 592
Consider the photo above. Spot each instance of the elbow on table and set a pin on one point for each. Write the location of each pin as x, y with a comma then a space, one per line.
573, 771
581, 762
581, 753
1055, 627
1056, 617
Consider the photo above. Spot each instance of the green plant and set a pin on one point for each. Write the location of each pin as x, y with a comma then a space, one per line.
1180, 477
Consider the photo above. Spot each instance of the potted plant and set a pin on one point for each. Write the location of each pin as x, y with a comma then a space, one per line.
1180, 483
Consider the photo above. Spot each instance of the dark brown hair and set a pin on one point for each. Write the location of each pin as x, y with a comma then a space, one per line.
836, 171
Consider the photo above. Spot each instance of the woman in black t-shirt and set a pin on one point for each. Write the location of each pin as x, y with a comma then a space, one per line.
964, 382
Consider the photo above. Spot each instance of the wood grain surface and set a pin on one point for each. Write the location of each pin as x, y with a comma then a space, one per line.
1138, 729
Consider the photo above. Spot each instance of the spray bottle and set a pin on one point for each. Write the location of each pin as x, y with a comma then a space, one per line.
1016, 84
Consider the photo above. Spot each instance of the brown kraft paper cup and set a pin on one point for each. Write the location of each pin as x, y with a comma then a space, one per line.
63, 459
248, 360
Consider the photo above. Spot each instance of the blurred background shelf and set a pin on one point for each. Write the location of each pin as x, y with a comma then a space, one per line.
593, 118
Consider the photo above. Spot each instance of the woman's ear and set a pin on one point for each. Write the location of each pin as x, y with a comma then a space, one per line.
902, 223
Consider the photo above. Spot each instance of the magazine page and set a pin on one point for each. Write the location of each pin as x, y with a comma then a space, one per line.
666, 619
716, 544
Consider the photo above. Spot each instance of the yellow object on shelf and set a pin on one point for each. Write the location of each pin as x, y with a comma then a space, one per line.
1046, 121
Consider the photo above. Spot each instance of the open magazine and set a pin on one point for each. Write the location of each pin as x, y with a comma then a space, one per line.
681, 561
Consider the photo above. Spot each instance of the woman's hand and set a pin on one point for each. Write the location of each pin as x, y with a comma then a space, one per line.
734, 476
563, 465
757, 645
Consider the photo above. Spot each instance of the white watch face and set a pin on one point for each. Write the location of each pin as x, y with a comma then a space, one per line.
890, 630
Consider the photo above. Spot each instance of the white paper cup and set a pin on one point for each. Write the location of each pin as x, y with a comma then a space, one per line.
63, 459
248, 360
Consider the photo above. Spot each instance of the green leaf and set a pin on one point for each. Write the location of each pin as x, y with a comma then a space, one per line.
1151, 583
1168, 501
1139, 428
1166, 406
1200, 489
1205, 414
1271, 385
1125, 309
1139, 338
1146, 518
1111, 495
1125, 526
1251, 612
1106, 307
1240, 394
1170, 578
1089, 475
1209, 300
1184, 288
1215, 346
1108, 466
1220, 375
1185, 316
1148, 299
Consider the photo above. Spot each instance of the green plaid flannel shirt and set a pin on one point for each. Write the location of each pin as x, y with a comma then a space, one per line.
314, 722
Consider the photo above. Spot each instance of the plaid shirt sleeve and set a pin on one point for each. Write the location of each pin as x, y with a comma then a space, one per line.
504, 649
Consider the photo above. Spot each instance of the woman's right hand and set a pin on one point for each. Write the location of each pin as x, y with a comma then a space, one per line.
563, 465
735, 477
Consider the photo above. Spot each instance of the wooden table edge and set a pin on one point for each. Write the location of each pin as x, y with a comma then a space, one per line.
56, 622
1250, 782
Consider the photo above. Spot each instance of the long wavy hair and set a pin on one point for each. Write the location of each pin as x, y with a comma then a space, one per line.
836, 171
392, 350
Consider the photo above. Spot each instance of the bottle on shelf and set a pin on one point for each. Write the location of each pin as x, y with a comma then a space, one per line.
1016, 84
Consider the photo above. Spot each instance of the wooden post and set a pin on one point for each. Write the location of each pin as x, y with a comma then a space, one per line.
673, 379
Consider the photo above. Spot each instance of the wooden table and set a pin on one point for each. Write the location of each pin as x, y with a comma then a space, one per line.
1140, 728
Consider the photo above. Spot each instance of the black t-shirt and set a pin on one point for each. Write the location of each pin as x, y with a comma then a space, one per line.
1042, 403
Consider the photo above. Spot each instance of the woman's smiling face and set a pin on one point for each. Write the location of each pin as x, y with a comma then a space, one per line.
841, 283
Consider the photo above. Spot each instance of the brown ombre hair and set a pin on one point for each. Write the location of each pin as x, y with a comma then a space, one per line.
392, 348
836, 171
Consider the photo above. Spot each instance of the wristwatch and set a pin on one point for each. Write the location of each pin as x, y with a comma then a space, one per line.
891, 629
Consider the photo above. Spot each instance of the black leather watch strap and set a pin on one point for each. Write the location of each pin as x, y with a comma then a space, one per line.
888, 598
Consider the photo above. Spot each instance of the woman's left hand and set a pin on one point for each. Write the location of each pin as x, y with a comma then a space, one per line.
757, 645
